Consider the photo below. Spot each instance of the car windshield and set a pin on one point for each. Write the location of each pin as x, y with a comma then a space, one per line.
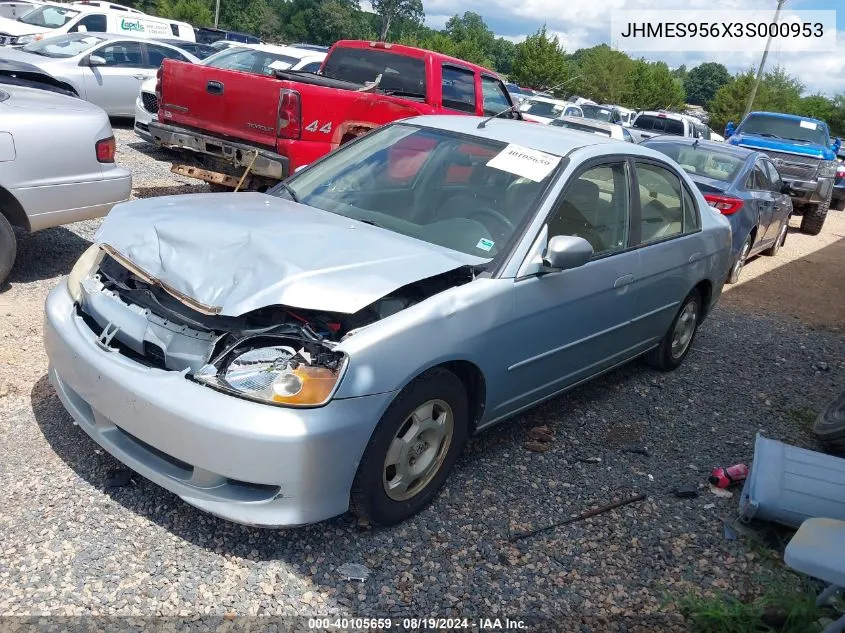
801, 130
665, 125
48, 17
63, 45
596, 112
542, 108
429, 184
248, 60
702, 161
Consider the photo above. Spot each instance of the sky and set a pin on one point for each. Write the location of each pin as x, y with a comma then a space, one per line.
583, 23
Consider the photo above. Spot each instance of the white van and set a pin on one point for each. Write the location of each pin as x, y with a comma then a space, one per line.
53, 18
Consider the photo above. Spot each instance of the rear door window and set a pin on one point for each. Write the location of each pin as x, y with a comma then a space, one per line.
157, 54
458, 88
93, 23
400, 74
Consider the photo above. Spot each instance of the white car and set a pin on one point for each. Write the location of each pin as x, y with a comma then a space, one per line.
47, 19
594, 126
260, 59
105, 69
57, 156
545, 110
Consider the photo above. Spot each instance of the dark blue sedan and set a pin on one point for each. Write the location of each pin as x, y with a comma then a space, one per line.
743, 185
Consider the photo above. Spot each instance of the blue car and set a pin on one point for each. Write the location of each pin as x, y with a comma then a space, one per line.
838, 198
743, 185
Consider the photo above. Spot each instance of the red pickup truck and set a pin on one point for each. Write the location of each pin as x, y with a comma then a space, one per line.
230, 123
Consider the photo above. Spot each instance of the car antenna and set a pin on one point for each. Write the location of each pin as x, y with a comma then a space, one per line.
510, 109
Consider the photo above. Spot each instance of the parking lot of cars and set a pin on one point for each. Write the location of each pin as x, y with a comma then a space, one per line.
76, 539
190, 369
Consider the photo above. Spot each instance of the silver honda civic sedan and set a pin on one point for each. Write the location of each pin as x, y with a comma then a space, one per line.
278, 359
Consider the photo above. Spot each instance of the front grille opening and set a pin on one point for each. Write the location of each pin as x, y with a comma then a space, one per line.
185, 467
150, 102
258, 488
154, 360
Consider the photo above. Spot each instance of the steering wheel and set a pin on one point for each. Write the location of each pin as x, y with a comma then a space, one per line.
499, 217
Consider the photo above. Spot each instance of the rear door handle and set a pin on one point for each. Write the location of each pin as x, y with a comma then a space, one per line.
623, 281
141, 77
214, 87
695, 257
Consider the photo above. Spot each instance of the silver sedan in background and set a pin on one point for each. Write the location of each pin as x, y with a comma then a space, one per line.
105, 69
276, 359
56, 164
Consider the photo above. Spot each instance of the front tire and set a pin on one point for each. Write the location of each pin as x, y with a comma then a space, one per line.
774, 249
814, 217
739, 264
676, 344
412, 450
830, 426
8, 248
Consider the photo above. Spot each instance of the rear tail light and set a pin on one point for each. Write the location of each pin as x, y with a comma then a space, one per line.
840, 171
726, 205
289, 123
106, 149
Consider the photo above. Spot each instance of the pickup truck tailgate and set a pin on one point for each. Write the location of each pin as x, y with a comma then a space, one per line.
225, 102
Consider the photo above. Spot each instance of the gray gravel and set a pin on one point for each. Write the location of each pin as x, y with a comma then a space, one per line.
70, 545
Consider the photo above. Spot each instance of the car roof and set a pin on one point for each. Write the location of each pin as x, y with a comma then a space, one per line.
669, 115
541, 99
581, 120
724, 148
289, 51
553, 140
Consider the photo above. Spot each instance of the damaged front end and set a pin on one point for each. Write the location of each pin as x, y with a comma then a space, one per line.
275, 354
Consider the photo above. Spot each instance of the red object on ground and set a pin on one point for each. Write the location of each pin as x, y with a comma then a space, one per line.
726, 477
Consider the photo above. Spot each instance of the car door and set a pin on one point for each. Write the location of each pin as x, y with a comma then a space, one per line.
782, 203
760, 189
666, 225
575, 323
115, 85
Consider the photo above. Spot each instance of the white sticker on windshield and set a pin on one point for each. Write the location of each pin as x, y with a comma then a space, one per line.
484, 244
808, 124
278, 65
525, 162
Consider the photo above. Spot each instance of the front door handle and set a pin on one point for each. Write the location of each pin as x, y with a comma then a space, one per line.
141, 77
623, 281
214, 87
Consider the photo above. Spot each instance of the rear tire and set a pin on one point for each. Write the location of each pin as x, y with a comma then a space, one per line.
8, 248
830, 426
677, 342
739, 264
411, 453
814, 217
779, 241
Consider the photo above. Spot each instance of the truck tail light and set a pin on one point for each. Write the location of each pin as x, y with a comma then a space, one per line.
289, 124
726, 205
840, 171
106, 149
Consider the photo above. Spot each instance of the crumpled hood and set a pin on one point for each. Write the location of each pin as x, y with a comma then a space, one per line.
238, 252
13, 27
764, 143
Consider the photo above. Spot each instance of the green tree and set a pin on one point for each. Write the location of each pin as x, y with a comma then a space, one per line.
195, 12
540, 62
781, 92
604, 74
503, 54
818, 106
652, 87
393, 10
728, 104
702, 82
471, 27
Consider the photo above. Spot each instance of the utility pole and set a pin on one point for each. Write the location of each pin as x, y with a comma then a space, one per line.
216, 14
756, 85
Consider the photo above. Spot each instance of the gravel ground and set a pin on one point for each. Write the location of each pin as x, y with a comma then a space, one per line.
72, 545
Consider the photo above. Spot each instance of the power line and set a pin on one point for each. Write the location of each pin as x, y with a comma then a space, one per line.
756, 85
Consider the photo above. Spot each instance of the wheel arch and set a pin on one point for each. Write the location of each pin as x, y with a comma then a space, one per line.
13, 211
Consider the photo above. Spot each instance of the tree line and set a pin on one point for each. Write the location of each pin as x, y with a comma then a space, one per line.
540, 61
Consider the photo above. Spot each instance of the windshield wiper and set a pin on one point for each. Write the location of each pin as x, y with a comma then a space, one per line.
800, 140
768, 135
370, 222
289, 190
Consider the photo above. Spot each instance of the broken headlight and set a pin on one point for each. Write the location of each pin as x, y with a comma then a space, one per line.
82, 269
276, 374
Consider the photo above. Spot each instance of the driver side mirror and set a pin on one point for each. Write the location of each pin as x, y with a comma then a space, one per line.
785, 188
565, 252
729, 129
837, 144
96, 60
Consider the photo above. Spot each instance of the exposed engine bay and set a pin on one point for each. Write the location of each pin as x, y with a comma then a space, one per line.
145, 322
